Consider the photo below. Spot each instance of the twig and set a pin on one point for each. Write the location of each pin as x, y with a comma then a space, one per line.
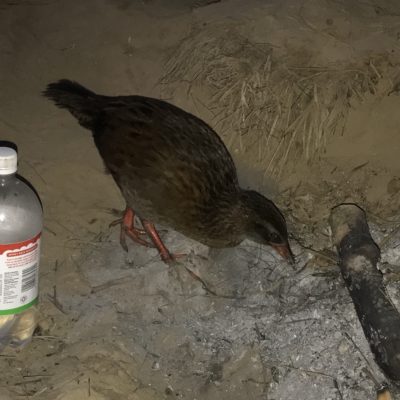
35, 171
359, 167
114, 282
336, 384
207, 289
326, 253
58, 386
49, 338
53, 299
46, 228
378, 75
271, 131
274, 155
28, 381
308, 371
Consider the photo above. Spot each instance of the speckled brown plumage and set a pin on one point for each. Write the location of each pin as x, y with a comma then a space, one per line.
172, 168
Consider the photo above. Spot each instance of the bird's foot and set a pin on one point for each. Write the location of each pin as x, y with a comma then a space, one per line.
135, 234
120, 221
128, 228
166, 255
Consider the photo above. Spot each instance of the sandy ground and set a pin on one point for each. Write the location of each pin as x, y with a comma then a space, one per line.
127, 327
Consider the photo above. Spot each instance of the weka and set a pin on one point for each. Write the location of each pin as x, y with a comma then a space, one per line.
172, 169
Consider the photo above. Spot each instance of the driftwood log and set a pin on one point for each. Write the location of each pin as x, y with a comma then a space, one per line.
358, 258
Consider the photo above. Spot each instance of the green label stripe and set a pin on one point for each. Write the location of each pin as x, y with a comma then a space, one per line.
19, 309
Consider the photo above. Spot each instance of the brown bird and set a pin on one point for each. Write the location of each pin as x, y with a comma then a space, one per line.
172, 169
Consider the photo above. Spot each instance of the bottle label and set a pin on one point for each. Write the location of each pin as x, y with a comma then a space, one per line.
19, 275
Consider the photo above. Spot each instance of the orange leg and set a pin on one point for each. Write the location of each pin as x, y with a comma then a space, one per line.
128, 229
155, 237
166, 256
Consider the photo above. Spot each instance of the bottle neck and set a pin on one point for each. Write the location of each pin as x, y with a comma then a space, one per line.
4, 179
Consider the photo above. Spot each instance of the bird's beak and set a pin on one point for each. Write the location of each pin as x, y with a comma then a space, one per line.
285, 252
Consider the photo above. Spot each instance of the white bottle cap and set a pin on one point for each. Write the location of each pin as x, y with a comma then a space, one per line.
8, 161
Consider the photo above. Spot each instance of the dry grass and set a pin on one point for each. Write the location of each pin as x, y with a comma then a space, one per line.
261, 104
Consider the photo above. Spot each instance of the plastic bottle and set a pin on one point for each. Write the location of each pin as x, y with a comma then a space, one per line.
21, 221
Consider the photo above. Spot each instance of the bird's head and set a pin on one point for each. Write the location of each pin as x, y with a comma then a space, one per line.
266, 224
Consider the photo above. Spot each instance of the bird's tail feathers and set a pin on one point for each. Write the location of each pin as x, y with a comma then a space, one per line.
82, 103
